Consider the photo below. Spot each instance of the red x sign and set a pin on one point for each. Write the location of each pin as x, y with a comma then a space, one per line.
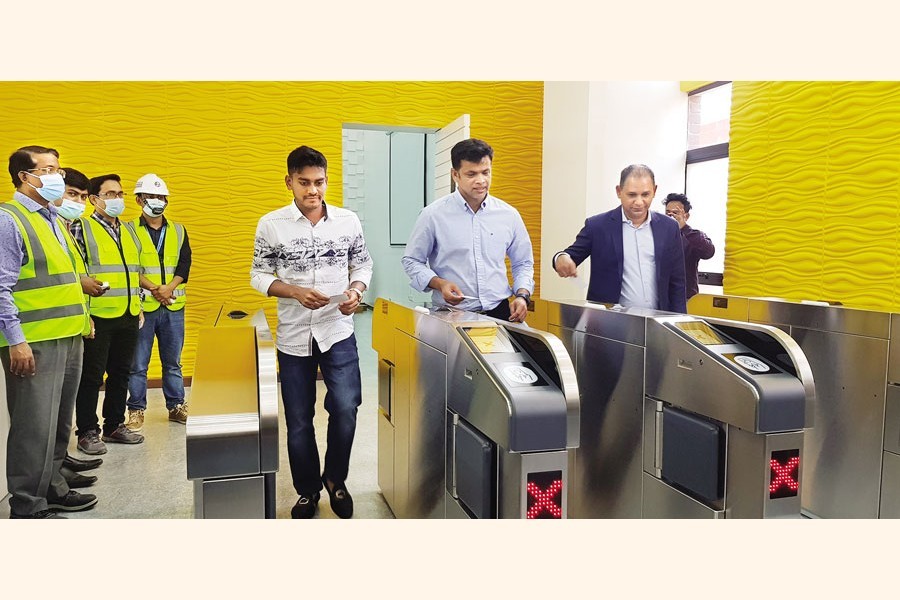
783, 480
543, 500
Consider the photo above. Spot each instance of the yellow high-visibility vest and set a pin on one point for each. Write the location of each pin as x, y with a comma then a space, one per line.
48, 293
117, 264
150, 261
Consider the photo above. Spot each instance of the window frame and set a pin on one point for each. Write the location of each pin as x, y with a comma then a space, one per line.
703, 154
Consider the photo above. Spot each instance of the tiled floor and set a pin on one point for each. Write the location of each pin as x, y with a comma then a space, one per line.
149, 480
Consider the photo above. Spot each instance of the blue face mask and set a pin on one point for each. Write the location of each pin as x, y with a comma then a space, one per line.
115, 207
52, 187
70, 210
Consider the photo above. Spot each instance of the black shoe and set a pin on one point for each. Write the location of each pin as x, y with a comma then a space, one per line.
341, 501
77, 480
41, 514
305, 507
72, 502
78, 465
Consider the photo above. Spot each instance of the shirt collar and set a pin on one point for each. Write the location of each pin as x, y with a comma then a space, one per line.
297, 214
627, 220
96, 216
147, 225
32, 205
484, 203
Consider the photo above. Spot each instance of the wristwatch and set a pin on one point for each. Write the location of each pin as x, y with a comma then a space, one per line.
359, 294
526, 297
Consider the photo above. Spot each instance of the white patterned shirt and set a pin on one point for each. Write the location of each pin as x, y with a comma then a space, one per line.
327, 256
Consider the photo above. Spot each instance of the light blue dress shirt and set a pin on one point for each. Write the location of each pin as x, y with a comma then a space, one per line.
470, 249
638, 265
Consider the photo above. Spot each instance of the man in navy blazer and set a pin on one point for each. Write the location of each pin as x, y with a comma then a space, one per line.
637, 257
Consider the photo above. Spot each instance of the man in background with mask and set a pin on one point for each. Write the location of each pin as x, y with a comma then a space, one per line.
112, 253
42, 319
165, 265
70, 207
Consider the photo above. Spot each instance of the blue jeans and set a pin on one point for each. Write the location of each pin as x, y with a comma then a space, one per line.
167, 326
340, 370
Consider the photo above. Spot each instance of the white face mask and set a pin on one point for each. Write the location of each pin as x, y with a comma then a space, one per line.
154, 207
70, 210
115, 207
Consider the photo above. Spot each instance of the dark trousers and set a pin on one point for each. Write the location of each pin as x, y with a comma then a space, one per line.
40, 423
340, 370
111, 352
501, 311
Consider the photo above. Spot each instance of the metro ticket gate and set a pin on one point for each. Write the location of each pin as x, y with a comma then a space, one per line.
853, 452
475, 416
682, 417
232, 430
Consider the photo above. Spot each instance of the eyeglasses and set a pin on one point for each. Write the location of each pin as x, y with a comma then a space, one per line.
48, 171
111, 194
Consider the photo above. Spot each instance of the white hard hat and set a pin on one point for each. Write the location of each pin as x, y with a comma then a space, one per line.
151, 184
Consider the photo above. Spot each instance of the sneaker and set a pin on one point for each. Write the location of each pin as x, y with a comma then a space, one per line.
341, 501
122, 436
72, 502
179, 414
135, 420
305, 507
78, 465
41, 514
77, 480
90, 443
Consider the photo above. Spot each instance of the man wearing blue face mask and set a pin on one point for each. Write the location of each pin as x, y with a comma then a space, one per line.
70, 207
112, 254
42, 319
166, 263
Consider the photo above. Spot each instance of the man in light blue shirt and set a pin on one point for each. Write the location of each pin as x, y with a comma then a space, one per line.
460, 242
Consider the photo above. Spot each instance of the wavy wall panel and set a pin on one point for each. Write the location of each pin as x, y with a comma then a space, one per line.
814, 192
222, 147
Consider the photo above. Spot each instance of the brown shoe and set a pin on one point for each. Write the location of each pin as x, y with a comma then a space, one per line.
135, 421
179, 414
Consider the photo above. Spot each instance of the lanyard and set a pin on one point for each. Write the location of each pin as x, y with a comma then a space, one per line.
162, 237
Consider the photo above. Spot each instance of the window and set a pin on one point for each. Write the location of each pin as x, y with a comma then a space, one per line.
706, 169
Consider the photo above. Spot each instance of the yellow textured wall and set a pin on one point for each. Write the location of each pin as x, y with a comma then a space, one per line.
690, 86
814, 191
221, 147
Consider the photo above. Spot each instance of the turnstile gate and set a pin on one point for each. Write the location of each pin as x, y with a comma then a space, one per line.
682, 417
852, 468
475, 416
232, 431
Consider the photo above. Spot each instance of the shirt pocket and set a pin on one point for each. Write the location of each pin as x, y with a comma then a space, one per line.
497, 242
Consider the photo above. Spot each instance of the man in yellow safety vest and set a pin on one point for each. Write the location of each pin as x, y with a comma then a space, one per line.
111, 252
165, 265
70, 207
43, 317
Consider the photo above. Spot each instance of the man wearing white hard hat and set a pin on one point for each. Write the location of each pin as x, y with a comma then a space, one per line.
165, 264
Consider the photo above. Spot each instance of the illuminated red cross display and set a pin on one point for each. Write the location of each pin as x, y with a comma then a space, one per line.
784, 475
543, 500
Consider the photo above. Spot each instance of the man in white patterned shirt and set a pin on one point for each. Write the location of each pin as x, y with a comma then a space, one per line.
313, 258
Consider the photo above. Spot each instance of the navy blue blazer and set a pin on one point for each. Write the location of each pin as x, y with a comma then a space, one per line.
601, 239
